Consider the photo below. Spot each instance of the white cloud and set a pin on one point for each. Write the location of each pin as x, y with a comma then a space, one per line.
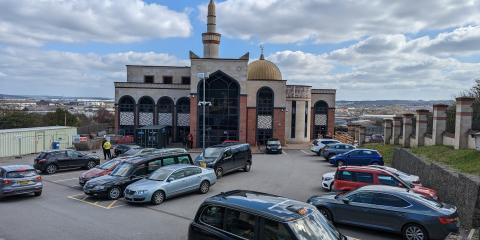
32, 71
31, 22
286, 21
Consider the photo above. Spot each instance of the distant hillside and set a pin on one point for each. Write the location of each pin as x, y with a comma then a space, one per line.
377, 103
42, 97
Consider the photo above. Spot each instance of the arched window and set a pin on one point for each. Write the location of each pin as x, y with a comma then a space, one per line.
126, 118
165, 111
320, 113
146, 107
265, 98
223, 116
183, 118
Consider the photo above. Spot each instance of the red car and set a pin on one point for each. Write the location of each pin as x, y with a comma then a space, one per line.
100, 170
349, 178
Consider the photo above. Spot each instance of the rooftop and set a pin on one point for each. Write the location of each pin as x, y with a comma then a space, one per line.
34, 129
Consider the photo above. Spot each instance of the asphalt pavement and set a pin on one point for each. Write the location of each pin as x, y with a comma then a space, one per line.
64, 212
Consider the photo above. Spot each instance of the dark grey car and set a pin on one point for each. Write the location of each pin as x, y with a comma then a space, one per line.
336, 148
390, 209
19, 179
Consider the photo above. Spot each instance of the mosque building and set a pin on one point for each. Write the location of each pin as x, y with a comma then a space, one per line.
248, 102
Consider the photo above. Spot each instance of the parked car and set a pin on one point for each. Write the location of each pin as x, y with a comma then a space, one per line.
327, 181
358, 157
413, 179
273, 145
335, 148
129, 171
122, 148
136, 151
319, 144
100, 170
349, 178
243, 214
19, 179
51, 161
227, 157
170, 181
390, 209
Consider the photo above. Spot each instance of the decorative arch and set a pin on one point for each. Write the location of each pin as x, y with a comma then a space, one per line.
146, 108
126, 116
320, 114
222, 118
265, 103
183, 118
165, 111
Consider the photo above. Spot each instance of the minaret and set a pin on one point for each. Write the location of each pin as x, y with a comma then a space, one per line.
211, 39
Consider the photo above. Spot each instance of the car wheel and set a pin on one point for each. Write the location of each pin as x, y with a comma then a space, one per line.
158, 197
91, 164
51, 169
114, 193
326, 213
414, 232
247, 167
340, 163
219, 172
204, 187
331, 187
38, 194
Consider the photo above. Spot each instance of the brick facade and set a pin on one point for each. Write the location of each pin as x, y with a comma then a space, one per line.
251, 125
279, 124
331, 122
193, 119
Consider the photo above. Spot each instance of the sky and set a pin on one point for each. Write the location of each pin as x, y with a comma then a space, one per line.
366, 49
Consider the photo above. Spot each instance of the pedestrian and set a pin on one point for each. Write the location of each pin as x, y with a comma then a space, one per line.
190, 140
106, 149
103, 149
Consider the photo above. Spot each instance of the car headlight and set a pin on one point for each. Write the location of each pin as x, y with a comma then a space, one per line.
327, 178
140, 192
99, 187
279, 147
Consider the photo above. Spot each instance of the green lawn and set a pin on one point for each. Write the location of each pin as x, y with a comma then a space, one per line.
465, 160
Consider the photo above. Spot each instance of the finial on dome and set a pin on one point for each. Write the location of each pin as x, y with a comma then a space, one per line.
211, 8
261, 52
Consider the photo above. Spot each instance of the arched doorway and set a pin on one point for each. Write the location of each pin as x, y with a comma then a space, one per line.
146, 107
165, 116
126, 116
222, 117
320, 113
265, 97
183, 118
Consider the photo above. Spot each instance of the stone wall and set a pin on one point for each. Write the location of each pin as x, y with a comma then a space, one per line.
455, 188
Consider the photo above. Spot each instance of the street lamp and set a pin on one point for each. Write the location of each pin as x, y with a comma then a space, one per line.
204, 77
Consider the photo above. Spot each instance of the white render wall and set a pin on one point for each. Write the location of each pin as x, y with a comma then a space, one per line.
299, 121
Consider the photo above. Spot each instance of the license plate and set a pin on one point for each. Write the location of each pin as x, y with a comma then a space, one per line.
25, 182
203, 164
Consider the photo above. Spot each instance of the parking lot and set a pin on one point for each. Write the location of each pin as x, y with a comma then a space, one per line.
64, 212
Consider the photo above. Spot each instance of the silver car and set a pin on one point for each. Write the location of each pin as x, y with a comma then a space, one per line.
170, 181
19, 179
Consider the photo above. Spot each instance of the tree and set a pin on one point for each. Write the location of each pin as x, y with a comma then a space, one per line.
20, 119
58, 117
104, 116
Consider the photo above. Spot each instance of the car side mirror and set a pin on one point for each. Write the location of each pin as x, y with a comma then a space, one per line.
170, 179
346, 201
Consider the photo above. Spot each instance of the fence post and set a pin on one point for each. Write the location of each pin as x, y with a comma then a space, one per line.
397, 127
407, 129
439, 123
387, 131
421, 128
361, 135
463, 121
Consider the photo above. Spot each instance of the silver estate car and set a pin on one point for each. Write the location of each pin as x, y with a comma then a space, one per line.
19, 179
169, 181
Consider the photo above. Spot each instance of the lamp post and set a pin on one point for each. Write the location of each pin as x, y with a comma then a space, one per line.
204, 77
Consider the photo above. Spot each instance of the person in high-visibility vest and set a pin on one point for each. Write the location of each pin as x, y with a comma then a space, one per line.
106, 146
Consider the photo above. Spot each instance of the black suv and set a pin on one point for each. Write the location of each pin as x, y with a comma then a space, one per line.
273, 145
50, 161
226, 157
129, 171
241, 214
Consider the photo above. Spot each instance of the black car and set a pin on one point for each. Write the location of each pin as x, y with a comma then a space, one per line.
241, 214
390, 209
120, 149
129, 171
226, 157
51, 161
273, 145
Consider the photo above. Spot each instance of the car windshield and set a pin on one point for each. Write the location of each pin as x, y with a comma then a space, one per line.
213, 152
122, 170
42, 155
273, 142
21, 174
132, 151
160, 174
314, 226
109, 165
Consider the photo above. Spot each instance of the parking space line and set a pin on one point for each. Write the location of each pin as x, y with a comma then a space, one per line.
283, 152
305, 152
87, 202
63, 180
111, 204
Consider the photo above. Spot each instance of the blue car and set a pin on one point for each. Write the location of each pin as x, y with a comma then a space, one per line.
170, 181
358, 157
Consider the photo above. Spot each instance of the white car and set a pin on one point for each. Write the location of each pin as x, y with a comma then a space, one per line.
319, 144
327, 181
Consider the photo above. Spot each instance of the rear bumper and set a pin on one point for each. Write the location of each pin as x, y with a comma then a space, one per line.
21, 190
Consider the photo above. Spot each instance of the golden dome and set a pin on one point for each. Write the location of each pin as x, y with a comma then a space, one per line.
263, 70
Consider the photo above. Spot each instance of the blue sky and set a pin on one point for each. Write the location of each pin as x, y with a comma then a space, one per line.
395, 48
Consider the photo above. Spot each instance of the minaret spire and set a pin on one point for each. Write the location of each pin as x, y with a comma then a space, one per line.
211, 39
261, 52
